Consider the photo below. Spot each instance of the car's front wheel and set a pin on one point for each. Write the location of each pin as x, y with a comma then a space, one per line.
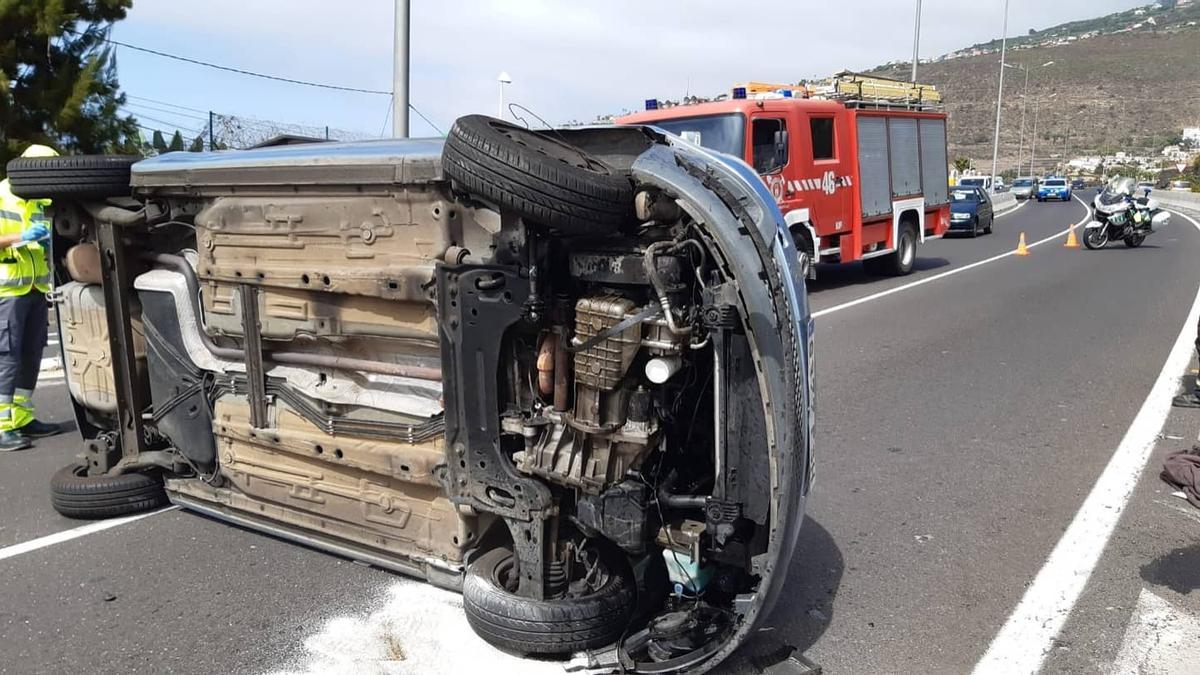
591, 612
75, 494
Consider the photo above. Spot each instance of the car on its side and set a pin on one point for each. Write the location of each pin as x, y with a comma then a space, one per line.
563, 372
1180, 186
1025, 187
1054, 188
971, 211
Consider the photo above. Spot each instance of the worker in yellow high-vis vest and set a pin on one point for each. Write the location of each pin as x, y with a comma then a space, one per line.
24, 282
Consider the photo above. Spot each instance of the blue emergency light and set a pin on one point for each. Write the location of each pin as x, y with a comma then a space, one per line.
739, 92
651, 104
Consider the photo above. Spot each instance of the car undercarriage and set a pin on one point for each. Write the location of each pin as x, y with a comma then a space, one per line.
565, 372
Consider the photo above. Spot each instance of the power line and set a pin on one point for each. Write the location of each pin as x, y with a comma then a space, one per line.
168, 111
166, 122
166, 103
386, 116
240, 71
431, 124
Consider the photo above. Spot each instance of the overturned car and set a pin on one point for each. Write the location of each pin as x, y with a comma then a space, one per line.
565, 372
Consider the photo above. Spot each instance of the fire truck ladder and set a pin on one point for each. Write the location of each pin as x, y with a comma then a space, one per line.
859, 90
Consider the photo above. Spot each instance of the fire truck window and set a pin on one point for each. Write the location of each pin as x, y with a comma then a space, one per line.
822, 137
770, 145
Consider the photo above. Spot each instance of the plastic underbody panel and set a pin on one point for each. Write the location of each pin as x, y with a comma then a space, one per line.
346, 459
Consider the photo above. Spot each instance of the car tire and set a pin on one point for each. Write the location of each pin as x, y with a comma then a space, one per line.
559, 626
75, 494
974, 229
991, 222
537, 176
77, 177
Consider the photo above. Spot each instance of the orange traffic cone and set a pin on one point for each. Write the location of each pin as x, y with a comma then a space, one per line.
1072, 240
1021, 248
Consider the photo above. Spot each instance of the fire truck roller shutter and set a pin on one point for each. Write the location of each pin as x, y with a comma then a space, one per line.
905, 156
873, 183
935, 171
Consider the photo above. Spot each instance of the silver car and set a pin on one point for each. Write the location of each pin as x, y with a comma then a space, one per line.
1025, 187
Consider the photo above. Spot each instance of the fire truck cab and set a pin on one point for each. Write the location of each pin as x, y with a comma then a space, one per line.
856, 179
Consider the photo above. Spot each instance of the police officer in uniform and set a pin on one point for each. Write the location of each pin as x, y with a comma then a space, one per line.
24, 282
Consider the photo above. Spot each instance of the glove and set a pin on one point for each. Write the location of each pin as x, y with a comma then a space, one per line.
35, 232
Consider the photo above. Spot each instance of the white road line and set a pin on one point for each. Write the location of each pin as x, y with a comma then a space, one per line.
50, 363
1022, 644
75, 533
943, 275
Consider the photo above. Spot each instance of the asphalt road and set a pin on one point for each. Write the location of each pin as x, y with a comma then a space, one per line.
962, 421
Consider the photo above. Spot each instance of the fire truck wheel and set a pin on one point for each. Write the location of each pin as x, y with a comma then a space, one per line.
900, 262
537, 176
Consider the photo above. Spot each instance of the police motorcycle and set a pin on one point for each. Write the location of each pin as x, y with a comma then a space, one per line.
1119, 214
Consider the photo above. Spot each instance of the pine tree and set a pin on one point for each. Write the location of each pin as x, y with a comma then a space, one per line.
176, 142
157, 142
58, 79
197, 144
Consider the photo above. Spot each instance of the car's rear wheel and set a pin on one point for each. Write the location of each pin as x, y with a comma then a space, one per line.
75, 494
594, 617
71, 177
991, 222
537, 176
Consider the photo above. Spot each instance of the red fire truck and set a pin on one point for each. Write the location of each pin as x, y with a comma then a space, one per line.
859, 169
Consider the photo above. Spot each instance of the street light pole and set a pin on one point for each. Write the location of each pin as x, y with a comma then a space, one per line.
504, 79
400, 71
999, 96
916, 43
1033, 141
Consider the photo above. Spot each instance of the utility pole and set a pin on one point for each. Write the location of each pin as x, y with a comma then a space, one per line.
212, 145
1024, 103
916, 43
1000, 96
400, 72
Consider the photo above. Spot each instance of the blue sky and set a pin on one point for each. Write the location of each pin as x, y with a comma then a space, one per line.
568, 59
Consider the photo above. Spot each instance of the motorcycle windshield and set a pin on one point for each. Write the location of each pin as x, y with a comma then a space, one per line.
1117, 190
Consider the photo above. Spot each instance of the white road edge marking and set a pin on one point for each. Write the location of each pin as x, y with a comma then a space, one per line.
943, 275
74, 533
1027, 637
